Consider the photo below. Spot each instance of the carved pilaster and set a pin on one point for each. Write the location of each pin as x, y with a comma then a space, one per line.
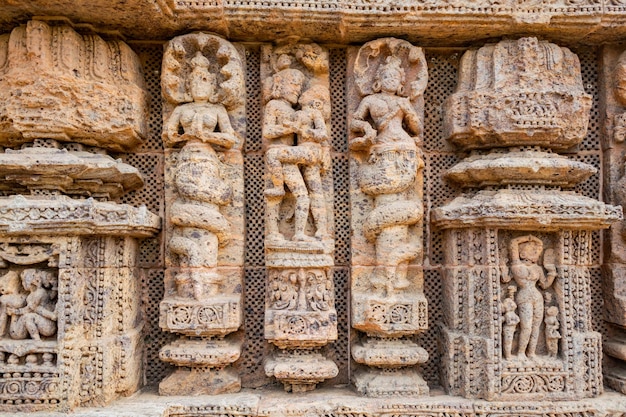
613, 90
300, 314
70, 322
518, 252
202, 82
388, 78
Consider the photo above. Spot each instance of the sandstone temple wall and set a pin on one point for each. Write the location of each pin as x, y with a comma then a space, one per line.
337, 208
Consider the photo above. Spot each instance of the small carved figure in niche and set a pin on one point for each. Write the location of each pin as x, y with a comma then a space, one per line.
48, 359
319, 291
38, 317
525, 252
552, 331
31, 360
511, 320
394, 160
284, 294
11, 298
552, 325
282, 123
13, 359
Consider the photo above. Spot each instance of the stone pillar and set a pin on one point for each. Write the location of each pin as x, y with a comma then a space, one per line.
613, 106
203, 86
300, 315
386, 111
70, 319
517, 246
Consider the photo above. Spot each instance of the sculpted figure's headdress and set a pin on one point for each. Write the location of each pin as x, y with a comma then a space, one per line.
392, 66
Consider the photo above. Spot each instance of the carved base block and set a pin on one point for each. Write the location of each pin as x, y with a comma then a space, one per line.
389, 353
218, 316
300, 371
200, 381
205, 353
300, 329
373, 382
392, 316
615, 369
615, 377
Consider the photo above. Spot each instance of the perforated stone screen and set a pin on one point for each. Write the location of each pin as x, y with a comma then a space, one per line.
442, 69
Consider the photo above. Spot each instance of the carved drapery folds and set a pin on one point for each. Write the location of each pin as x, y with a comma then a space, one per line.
70, 322
517, 253
202, 82
386, 130
300, 314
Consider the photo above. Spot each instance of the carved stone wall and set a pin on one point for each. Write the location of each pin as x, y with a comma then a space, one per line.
374, 247
442, 70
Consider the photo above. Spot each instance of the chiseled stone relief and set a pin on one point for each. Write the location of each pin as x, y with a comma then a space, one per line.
613, 71
202, 82
70, 319
300, 315
388, 78
517, 313
464, 197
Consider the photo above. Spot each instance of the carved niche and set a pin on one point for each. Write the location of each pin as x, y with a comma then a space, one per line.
518, 244
388, 79
203, 86
300, 314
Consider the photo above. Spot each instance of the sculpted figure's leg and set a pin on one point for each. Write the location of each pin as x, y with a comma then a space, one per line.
508, 341
275, 173
271, 223
318, 204
31, 326
537, 319
525, 312
4, 317
293, 179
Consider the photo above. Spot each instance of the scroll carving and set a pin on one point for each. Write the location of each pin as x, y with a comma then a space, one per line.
202, 82
386, 131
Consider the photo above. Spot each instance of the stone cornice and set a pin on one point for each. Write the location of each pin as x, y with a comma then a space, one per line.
427, 22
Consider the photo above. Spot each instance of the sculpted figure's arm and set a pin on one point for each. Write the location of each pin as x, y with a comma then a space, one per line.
412, 120
170, 131
318, 132
518, 269
39, 306
546, 281
226, 137
276, 124
366, 134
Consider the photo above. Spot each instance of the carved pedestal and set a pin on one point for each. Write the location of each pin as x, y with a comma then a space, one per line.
202, 81
300, 315
70, 319
388, 304
517, 255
